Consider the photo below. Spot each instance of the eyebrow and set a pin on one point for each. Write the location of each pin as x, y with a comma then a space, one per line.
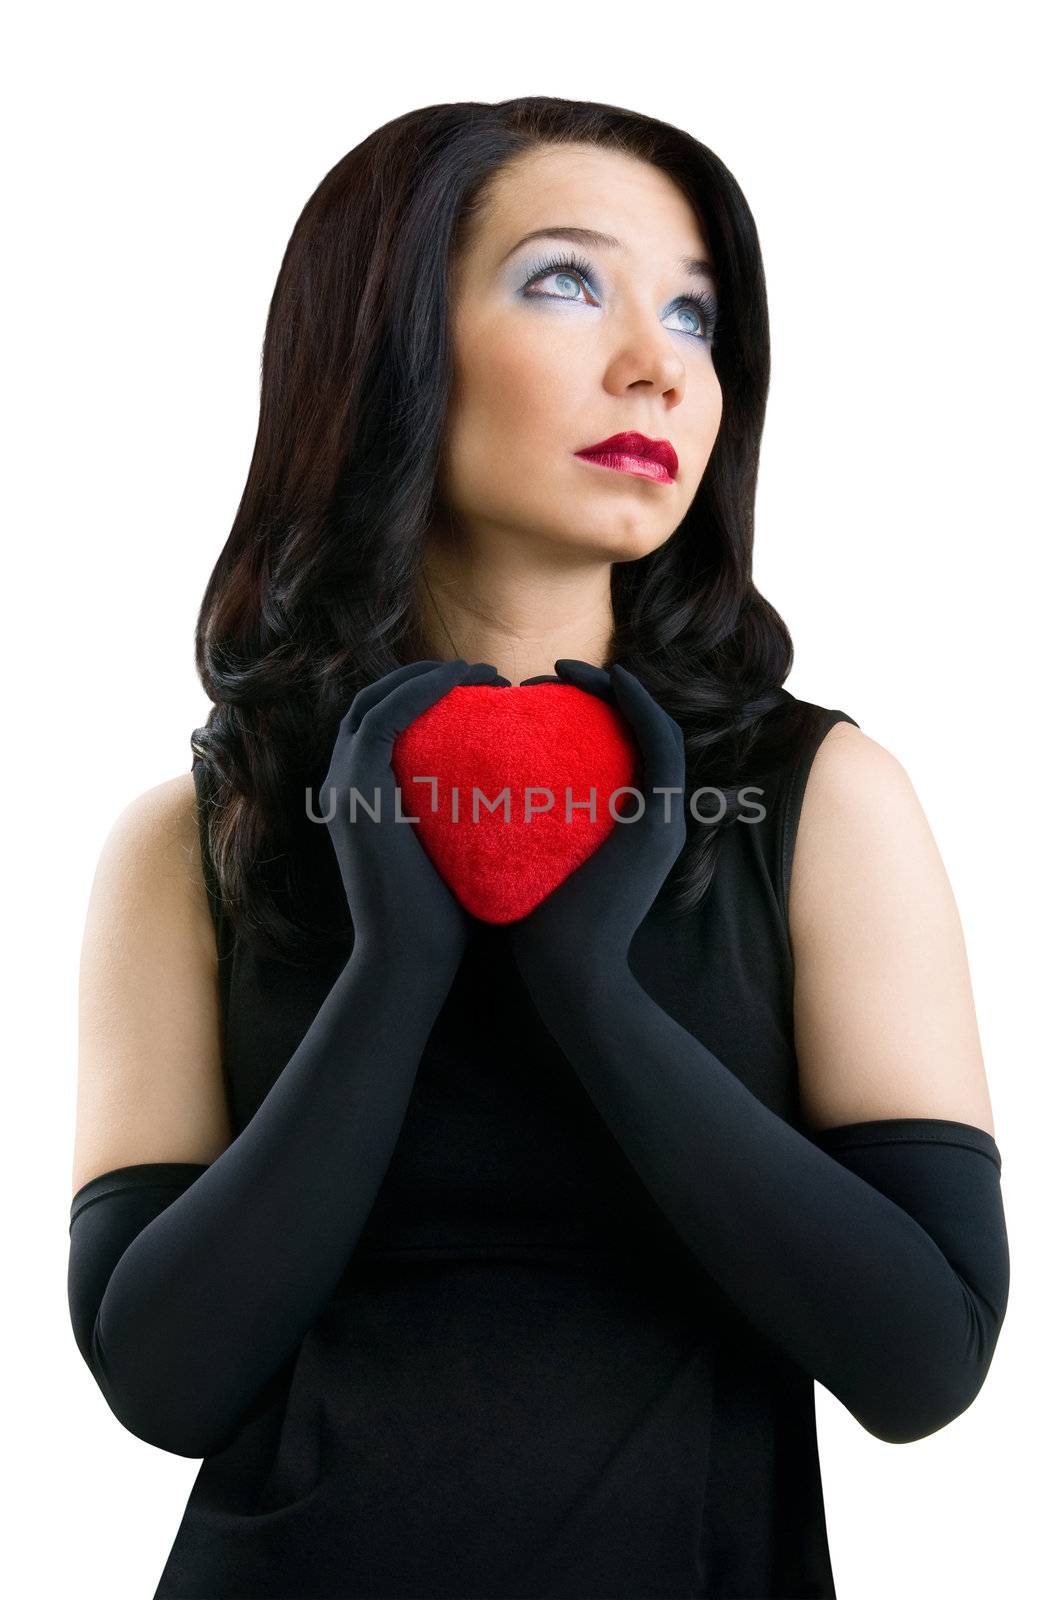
691, 265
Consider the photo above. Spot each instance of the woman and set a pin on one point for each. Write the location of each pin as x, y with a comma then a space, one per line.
499, 1259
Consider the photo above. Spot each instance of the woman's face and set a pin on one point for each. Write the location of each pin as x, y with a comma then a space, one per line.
549, 362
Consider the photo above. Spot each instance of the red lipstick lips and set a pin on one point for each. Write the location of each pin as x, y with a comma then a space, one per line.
634, 453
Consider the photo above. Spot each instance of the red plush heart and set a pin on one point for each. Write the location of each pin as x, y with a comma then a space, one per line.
533, 737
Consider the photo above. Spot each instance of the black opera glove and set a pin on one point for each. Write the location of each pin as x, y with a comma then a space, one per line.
874, 1255
191, 1285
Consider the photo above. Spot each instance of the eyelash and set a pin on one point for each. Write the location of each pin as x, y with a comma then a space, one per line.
703, 301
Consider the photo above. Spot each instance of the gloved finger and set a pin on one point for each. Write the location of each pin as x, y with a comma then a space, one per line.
653, 706
654, 728
544, 677
373, 693
390, 716
595, 680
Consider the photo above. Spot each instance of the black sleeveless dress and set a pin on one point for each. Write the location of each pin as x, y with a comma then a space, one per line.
525, 1385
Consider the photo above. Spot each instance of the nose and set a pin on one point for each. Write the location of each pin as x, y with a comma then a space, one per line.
646, 358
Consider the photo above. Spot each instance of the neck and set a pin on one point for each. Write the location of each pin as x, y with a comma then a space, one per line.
520, 608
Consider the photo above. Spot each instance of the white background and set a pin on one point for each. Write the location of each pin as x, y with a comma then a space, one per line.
902, 163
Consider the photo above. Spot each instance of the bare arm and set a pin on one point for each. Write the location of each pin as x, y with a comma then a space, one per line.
884, 1014
150, 1085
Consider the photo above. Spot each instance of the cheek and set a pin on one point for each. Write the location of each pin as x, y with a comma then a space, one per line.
703, 388
709, 405
509, 386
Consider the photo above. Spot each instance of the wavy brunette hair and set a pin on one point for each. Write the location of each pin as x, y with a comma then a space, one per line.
315, 592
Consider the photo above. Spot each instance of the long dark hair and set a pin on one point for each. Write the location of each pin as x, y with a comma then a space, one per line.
315, 592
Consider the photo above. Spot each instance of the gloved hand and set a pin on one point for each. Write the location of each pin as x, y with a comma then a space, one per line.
398, 902
591, 917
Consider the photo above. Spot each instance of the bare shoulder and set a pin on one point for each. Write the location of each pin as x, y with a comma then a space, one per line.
858, 793
847, 756
884, 1014
150, 1085
155, 838
151, 864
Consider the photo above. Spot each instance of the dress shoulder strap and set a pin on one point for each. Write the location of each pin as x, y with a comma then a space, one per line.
204, 801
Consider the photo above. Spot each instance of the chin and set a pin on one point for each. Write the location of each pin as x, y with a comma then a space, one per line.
603, 535
608, 545
631, 544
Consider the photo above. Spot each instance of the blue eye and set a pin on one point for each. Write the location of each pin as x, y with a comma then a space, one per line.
568, 266
574, 267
